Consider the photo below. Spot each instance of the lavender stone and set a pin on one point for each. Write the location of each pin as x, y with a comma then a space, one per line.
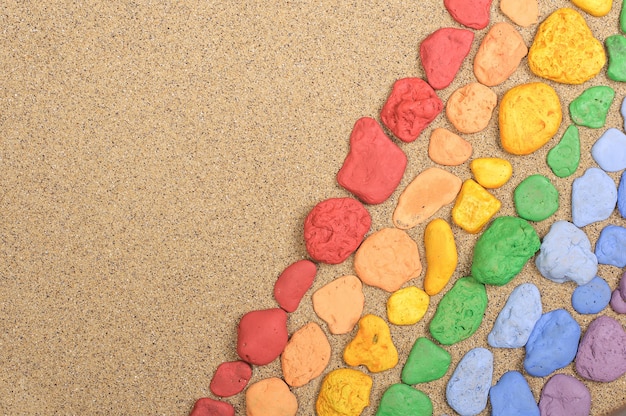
602, 351
564, 395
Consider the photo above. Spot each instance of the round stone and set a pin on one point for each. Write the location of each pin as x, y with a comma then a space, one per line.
536, 198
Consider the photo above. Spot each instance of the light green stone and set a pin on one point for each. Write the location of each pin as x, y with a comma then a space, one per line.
460, 312
536, 198
503, 249
400, 399
616, 49
564, 158
622, 17
590, 108
427, 361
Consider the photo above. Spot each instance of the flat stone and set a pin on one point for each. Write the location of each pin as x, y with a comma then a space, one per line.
460, 312
491, 172
442, 53
474, 207
517, 318
340, 303
522, 12
621, 195
622, 18
426, 362
270, 396
468, 389
594, 196
616, 48
344, 391
262, 335
503, 249
591, 107
618, 304
536, 198
206, 406
447, 148
293, 283
564, 395
374, 165
407, 306
602, 351
306, 355
470, 13
564, 158
611, 246
609, 151
565, 50
592, 297
499, 54
400, 399
566, 255
596, 8
511, 396
230, 378
552, 343
622, 286
372, 346
425, 195
441, 255
469, 108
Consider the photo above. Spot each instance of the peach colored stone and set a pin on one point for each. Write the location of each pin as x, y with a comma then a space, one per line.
425, 195
470, 107
340, 303
499, 54
306, 355
522, 12
447, 148
387, 259
270, 397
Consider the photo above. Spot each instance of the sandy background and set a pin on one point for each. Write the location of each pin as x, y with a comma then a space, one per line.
157, 161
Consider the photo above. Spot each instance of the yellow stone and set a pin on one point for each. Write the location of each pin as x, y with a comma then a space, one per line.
344, 392
491, 172
441, 255
407, 306
530, 114
565, 50
596, 8
474, 207
372, 346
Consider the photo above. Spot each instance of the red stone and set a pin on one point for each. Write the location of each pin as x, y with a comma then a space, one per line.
293, 283
410, 108
230, 378
375, 164
470, 13
442, 54
262, 336
209, 407
335, 228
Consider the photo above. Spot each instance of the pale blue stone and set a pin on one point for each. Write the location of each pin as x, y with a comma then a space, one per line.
468, 389
609, 151
511, 396
593, 297
594, 196
517, 319
621, 195
611, 246
566, 255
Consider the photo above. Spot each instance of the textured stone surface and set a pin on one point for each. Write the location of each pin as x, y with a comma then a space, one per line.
591, 107
407, 306
517, 318
499, 54
468, 388
594, 196
306, 355
564, 395
602, 351
469, 108
511, 396
611, 246
621, 195
372, 346
442, 54
503, 249
426, 362
474, 207
344, 392
592, 297
564, 158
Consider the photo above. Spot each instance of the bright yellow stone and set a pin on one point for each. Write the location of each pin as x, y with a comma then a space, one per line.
372, 346
474, 207
491, 172
441, 255
530, 114
407, 306
564, 49
344, 392
596, 8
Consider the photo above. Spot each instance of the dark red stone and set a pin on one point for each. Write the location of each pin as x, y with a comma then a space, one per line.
375, 164
293, 283
470, 13
209, 407
262, 336
442, 54
335, 228
230, 378
410, 108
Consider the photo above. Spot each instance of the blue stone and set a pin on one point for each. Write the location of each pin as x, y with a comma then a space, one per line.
517, 319
592, 297
594, 196
609, 151
621, 194
468, 388
511, 396
552, 344
611, 246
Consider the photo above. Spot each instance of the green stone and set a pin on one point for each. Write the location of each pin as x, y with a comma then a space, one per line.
564, 158
591, 107
536, 198
400, 399
427, 361
460, 312
503, 249
616, 48
622, 17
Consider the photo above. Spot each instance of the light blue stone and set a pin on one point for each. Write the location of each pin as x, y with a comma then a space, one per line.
609, 151
594, 196
621, 195
468, 389
593, 297
611, 246
511, 396
566, 255
517, 319
552, 344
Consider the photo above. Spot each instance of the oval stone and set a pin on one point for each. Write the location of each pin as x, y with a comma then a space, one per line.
262, 336
522, 12
621, 195
400, 399
564, 395
602, 351
293, 283
270, 396
517, 318
611, 246
536, 198
230, 378
594, 196
593, 297
447, 148
499, 54
306, 355
468, 388
470, 107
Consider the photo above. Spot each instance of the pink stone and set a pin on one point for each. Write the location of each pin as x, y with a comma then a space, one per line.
471, 13
209, 407
262, 336
442, 54
293, 283
230, 378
